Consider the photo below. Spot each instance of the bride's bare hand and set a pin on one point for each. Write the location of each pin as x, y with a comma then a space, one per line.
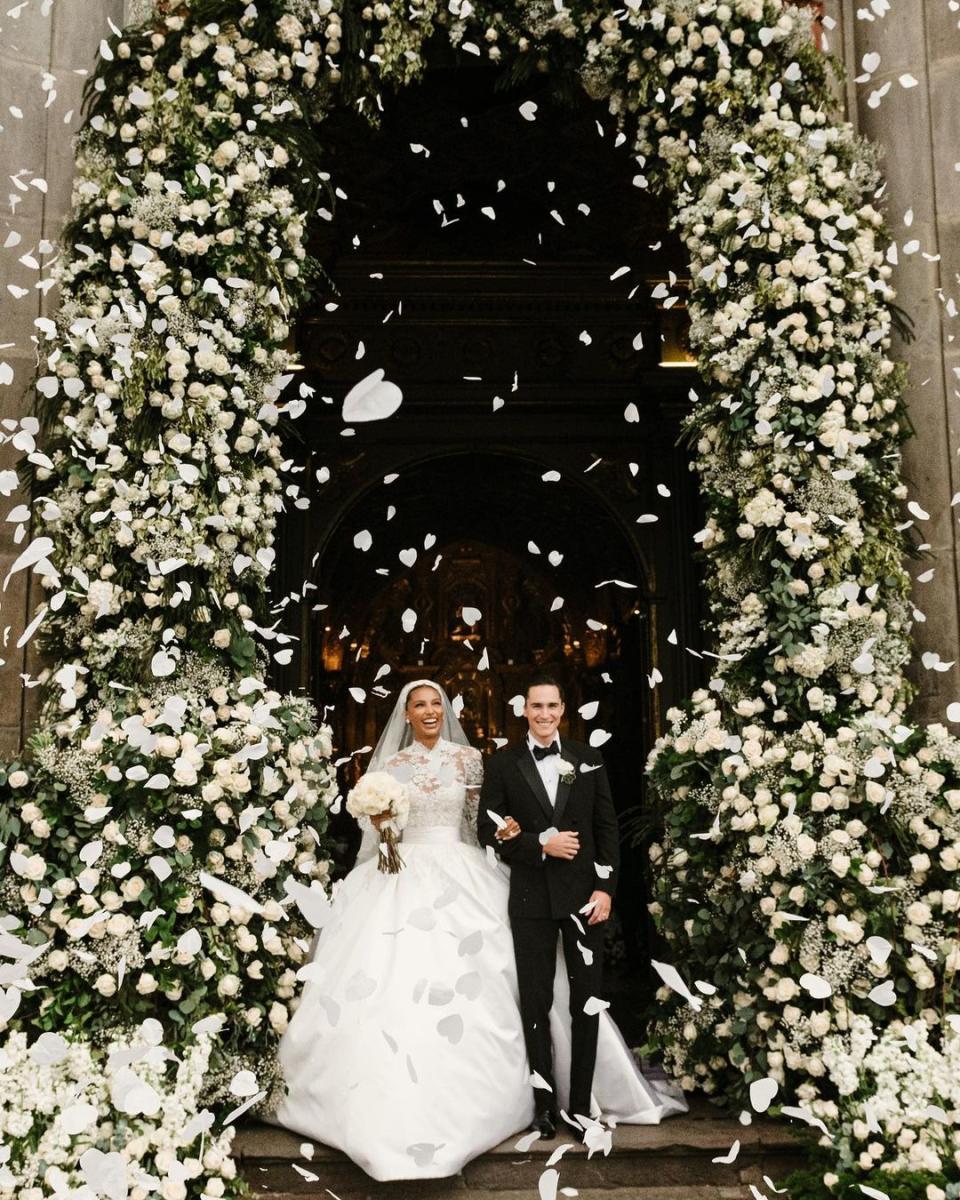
510, 830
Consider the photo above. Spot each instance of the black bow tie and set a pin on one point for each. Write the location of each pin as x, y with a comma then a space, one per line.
541, 752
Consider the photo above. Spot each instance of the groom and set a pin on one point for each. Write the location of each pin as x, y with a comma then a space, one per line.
562, 844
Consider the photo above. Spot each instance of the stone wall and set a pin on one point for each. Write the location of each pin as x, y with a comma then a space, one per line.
46, 54
918, 126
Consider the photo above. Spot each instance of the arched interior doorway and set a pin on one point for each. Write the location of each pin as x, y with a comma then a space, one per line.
528, 300
482, 531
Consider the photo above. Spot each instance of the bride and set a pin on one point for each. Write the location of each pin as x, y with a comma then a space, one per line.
406, 1051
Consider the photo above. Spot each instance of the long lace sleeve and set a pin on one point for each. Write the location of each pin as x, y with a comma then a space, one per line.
369, 843
473, 779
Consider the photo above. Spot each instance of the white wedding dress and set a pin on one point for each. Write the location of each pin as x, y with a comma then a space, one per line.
406, 1051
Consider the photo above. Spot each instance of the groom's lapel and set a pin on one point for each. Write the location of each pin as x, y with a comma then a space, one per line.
563, 789
530, 773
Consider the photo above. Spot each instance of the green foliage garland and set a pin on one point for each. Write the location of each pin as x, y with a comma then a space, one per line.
807, 869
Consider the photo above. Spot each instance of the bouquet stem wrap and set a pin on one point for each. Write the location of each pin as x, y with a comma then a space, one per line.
389, 860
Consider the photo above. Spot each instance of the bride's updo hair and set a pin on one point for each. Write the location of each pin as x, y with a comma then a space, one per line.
543, 679
434, 687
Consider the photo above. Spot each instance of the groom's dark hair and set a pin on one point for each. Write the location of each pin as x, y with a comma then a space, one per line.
544, 680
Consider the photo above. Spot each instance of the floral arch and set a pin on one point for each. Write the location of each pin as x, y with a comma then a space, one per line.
162, 833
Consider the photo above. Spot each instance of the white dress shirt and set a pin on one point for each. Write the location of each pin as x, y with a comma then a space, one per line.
548, 767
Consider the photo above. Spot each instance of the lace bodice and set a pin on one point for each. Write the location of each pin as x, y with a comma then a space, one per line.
444, 784
444, 788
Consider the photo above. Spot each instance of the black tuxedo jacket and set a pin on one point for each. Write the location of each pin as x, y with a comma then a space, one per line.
541, 886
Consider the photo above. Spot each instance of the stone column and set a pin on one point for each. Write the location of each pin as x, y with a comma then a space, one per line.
918, 125
46, 54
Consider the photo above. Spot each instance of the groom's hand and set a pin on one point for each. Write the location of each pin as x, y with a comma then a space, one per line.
563, 845
601, 908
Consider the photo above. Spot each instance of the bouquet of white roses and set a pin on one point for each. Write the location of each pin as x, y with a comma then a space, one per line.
379, 795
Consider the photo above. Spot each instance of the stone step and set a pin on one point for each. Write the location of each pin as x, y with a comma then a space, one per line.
703, 1192
672, 1161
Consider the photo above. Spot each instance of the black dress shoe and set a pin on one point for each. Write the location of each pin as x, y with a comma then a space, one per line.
572, 1127
544, 1123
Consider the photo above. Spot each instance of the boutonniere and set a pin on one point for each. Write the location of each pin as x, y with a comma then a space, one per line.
566, 770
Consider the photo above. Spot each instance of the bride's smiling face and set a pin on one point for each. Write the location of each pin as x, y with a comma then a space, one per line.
425, 714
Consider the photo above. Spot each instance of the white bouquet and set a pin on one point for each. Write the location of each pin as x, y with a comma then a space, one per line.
380, 795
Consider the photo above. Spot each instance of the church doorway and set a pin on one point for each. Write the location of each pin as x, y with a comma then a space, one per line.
529, 301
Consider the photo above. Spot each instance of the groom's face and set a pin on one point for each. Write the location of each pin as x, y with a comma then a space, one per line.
543, 710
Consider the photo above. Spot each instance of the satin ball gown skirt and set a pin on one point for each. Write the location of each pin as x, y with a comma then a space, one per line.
406, 1051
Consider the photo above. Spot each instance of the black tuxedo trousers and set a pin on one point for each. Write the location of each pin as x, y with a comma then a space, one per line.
535, 946
546, 894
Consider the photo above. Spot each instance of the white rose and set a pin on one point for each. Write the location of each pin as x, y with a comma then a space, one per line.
35, 868
131, 888
246, 942
18, 779
816, 292
923, 977
229, 985
564, 768
919, 913
184, 773
226, 153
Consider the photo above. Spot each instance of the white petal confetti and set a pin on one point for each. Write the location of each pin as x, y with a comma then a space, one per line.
671, 977
374, 398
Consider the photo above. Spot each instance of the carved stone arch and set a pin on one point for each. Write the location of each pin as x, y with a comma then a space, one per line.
412, 458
